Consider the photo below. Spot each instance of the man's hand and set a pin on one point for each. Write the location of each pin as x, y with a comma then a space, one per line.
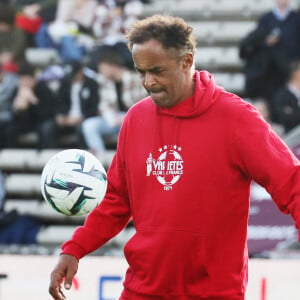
65, 269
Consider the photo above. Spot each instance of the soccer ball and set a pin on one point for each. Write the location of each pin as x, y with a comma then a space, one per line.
73, 182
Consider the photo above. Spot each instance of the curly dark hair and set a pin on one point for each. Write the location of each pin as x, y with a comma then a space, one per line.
171, 32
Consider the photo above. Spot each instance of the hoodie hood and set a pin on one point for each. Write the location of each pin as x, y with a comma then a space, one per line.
205, 94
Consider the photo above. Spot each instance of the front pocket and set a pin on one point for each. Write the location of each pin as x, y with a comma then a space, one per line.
169, 262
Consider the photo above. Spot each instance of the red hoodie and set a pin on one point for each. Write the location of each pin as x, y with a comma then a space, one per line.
183, 174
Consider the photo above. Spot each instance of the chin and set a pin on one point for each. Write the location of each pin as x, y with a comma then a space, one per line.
163, 104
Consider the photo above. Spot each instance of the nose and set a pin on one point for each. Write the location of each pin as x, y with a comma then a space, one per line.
149, 80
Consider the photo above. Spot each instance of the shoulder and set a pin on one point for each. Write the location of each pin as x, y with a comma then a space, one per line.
232, 103
236, 113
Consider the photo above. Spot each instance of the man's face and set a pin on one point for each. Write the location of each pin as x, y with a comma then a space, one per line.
164, 75
282, 3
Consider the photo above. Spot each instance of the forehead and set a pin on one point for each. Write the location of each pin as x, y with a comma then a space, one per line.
150, 54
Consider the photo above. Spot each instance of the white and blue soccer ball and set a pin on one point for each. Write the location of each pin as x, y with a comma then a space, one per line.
73, 182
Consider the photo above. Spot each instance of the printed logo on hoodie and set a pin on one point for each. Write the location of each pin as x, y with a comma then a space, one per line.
168, 167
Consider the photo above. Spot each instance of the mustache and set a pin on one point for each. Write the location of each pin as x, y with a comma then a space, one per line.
154, 90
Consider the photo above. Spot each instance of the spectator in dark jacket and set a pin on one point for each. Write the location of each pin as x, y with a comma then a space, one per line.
78, 100
287, 99
34, 106
269, 50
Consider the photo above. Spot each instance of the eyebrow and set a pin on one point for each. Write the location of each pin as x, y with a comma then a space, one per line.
155, 69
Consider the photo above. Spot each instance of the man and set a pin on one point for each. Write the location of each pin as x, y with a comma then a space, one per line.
287, 99
191, 213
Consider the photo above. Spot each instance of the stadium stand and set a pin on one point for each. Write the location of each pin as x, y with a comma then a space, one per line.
219, 25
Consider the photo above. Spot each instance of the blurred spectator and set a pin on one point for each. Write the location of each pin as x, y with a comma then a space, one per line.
112, 20
81, 12
32, 14
287, 99
268, 51
78, 99
120, 89
34, 106
25, 100
29, 20
46, 8
117, 49
8, 84
12, 40
70, 33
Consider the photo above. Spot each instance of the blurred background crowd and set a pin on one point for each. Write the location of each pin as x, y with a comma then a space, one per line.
67, 77
84, 81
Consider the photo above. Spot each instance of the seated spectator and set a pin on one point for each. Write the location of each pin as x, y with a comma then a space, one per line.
25, 100
12, 40
269, 49
78, 99
29, 20
287, 99
80, 12
32, 15
34, 106
120, 88
8, 85
112, 20
46, 8
70, 32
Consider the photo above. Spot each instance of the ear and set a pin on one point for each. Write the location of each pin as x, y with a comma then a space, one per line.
188, 61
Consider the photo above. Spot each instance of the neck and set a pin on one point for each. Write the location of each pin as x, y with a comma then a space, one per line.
191, 84
296, 85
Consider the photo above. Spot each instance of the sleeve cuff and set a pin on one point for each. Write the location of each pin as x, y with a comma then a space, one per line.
72, 248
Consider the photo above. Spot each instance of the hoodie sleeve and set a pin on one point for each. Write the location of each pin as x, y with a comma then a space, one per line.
262, 156
109, 218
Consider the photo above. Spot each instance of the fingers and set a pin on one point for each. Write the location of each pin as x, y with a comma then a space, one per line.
55, 287
70, 271
69, 279
65, 270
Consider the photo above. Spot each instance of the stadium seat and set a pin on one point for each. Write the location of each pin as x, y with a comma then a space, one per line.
42, 57
234, 82
16, 159
40, 209
218, 57
55, 234
23, 185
